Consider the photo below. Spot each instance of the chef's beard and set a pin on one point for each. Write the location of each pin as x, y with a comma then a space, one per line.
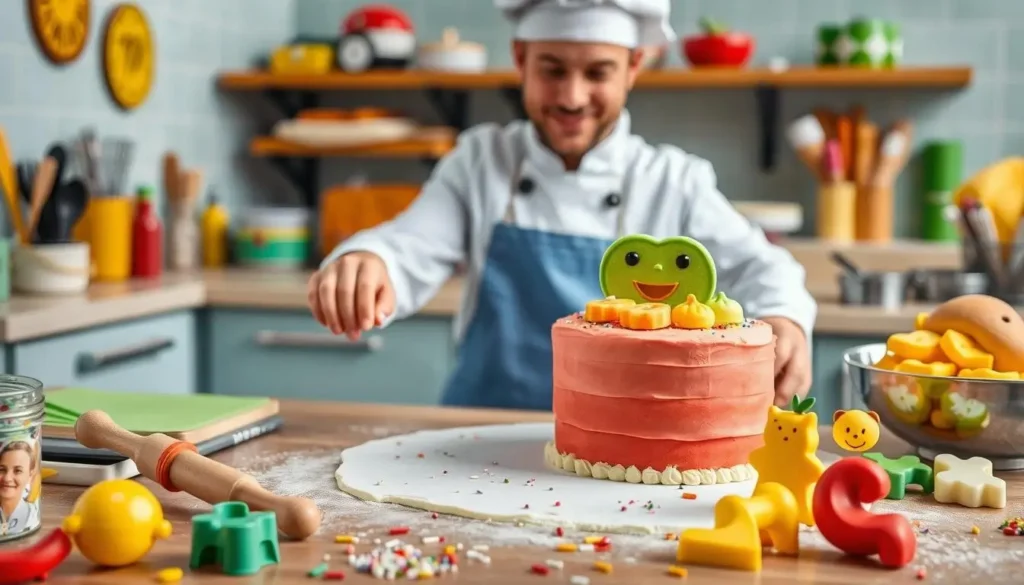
603, 130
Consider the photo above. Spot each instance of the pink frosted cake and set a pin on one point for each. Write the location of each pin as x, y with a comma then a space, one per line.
660, 393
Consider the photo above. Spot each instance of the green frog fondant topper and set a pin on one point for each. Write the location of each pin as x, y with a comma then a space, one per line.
648, 270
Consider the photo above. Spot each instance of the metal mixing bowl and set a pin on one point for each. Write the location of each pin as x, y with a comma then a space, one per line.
974, 417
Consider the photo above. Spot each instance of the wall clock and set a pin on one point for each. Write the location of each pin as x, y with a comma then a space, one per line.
128, 56
61, 27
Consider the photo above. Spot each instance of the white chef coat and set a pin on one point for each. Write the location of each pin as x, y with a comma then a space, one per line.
673, 193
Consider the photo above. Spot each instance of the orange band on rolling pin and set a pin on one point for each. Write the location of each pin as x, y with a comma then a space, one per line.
163, 464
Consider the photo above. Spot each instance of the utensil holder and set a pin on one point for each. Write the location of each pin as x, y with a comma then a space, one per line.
109, 233
51, 268
888, 290
837, 212
875, 213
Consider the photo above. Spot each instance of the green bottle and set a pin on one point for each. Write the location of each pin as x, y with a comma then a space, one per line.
943, 162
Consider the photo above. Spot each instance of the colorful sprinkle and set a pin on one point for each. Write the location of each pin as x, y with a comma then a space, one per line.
318, 571
1013, 526
434, 516
593, 539
689, 496
603, 566
334, 576
921, 574
579, 580
677, 571
557, 503
346, 539
566, 547
555, 564
559, 531
539, 569
398, 530
670, 536
169, 575
975, 530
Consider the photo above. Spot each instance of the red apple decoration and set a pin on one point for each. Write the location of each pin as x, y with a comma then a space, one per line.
718, 46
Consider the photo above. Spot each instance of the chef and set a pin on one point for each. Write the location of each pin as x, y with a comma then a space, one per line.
528, 209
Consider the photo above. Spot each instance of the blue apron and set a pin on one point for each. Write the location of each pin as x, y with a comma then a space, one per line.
531, 278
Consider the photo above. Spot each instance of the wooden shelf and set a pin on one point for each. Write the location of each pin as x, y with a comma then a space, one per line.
798, 77
432, 146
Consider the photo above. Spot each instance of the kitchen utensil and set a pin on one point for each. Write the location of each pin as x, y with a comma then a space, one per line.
875, 204
109, 221
9, 183
845, 263
938, 286
808, 140
51, 268
92, 155
844, 136
69, 202
888, 290
452, 55
904, 401
117, 161
183, 228
172, 176
42, 186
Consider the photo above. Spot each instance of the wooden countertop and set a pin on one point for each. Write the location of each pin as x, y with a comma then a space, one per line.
315, 433
26, 318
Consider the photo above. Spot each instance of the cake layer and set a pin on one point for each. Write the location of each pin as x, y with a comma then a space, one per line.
689, 399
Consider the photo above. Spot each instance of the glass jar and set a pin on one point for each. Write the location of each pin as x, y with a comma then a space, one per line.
22, 408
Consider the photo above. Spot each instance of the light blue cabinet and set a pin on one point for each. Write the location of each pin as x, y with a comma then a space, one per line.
155, 354
829, 379
287, 354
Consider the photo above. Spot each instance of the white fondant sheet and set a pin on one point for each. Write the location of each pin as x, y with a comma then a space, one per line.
463, 471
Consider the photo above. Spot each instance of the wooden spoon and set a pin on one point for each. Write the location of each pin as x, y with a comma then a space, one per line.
42, 186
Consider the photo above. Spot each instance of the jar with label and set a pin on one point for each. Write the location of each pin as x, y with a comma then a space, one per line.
21, 422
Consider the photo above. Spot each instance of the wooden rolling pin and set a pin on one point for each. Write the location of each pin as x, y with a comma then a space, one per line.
209, 480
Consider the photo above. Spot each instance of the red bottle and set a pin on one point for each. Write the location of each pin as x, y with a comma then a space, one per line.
147, 237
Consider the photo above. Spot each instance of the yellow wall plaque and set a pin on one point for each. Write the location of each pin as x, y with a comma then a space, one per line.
61, 27
128, 56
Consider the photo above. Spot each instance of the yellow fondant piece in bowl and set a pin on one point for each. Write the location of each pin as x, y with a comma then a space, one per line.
889, 361
727, 311
606, 310
919, 321
917, 345
693, 314
963, 351
913, 366
988, 374
646, 316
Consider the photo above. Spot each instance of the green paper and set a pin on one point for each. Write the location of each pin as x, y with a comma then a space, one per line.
907, 470
149, 413
648, 270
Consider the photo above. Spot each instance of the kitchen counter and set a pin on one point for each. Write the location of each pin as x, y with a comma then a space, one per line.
26, 318
315, 433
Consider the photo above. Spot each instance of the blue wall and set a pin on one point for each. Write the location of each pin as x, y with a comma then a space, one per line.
722, 125
195, 39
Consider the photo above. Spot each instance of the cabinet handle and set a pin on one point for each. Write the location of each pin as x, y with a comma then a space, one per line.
92, 362
288, 339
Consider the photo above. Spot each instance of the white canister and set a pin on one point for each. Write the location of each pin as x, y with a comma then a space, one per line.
51, 268
452, 55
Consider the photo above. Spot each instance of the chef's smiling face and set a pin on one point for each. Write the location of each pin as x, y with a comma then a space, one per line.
15, 465
574, 92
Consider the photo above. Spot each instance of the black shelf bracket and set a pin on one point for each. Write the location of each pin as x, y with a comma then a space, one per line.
292, 102
452, 105
514, 97
304, 175
768, 119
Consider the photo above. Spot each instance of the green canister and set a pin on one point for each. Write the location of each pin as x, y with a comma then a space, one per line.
866, 43
894, 36
22, 408
828, 36
943, 163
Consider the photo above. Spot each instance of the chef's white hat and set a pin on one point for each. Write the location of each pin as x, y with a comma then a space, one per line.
630, 23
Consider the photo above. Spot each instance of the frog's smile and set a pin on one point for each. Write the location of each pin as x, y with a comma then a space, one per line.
655, 292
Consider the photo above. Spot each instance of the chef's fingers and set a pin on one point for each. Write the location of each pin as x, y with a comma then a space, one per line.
348, 271
795, 379
367, 283
327, 289
783, 353
385, 300
313, 298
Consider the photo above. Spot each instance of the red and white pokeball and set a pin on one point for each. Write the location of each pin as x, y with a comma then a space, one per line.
376, 36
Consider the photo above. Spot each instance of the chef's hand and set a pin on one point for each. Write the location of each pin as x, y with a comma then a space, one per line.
351, 294
792, 360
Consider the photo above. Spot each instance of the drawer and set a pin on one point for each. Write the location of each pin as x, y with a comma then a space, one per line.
831, 387
287, 354
155, 354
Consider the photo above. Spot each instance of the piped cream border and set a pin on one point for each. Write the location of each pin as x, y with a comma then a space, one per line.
670, 476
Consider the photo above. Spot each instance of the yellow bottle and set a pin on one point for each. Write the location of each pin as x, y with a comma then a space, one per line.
215, 234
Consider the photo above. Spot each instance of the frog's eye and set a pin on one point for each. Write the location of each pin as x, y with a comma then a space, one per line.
632, 258
682, 261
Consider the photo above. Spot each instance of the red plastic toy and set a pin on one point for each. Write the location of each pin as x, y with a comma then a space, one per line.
35, 562
843, 521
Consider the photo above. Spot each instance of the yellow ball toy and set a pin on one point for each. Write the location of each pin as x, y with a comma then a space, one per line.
115, 522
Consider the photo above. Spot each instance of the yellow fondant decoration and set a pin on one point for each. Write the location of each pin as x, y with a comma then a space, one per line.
913, 366
988, 374
727, 311
61, 28
964, 351
919, 320
908, 402
788, 455
693, 314
646, 316
735, 541
855, 430
128, 56
606, 310
888, 362
919, 345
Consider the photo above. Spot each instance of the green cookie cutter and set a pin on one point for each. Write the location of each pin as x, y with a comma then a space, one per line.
648, 270
239, 541
907, 470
